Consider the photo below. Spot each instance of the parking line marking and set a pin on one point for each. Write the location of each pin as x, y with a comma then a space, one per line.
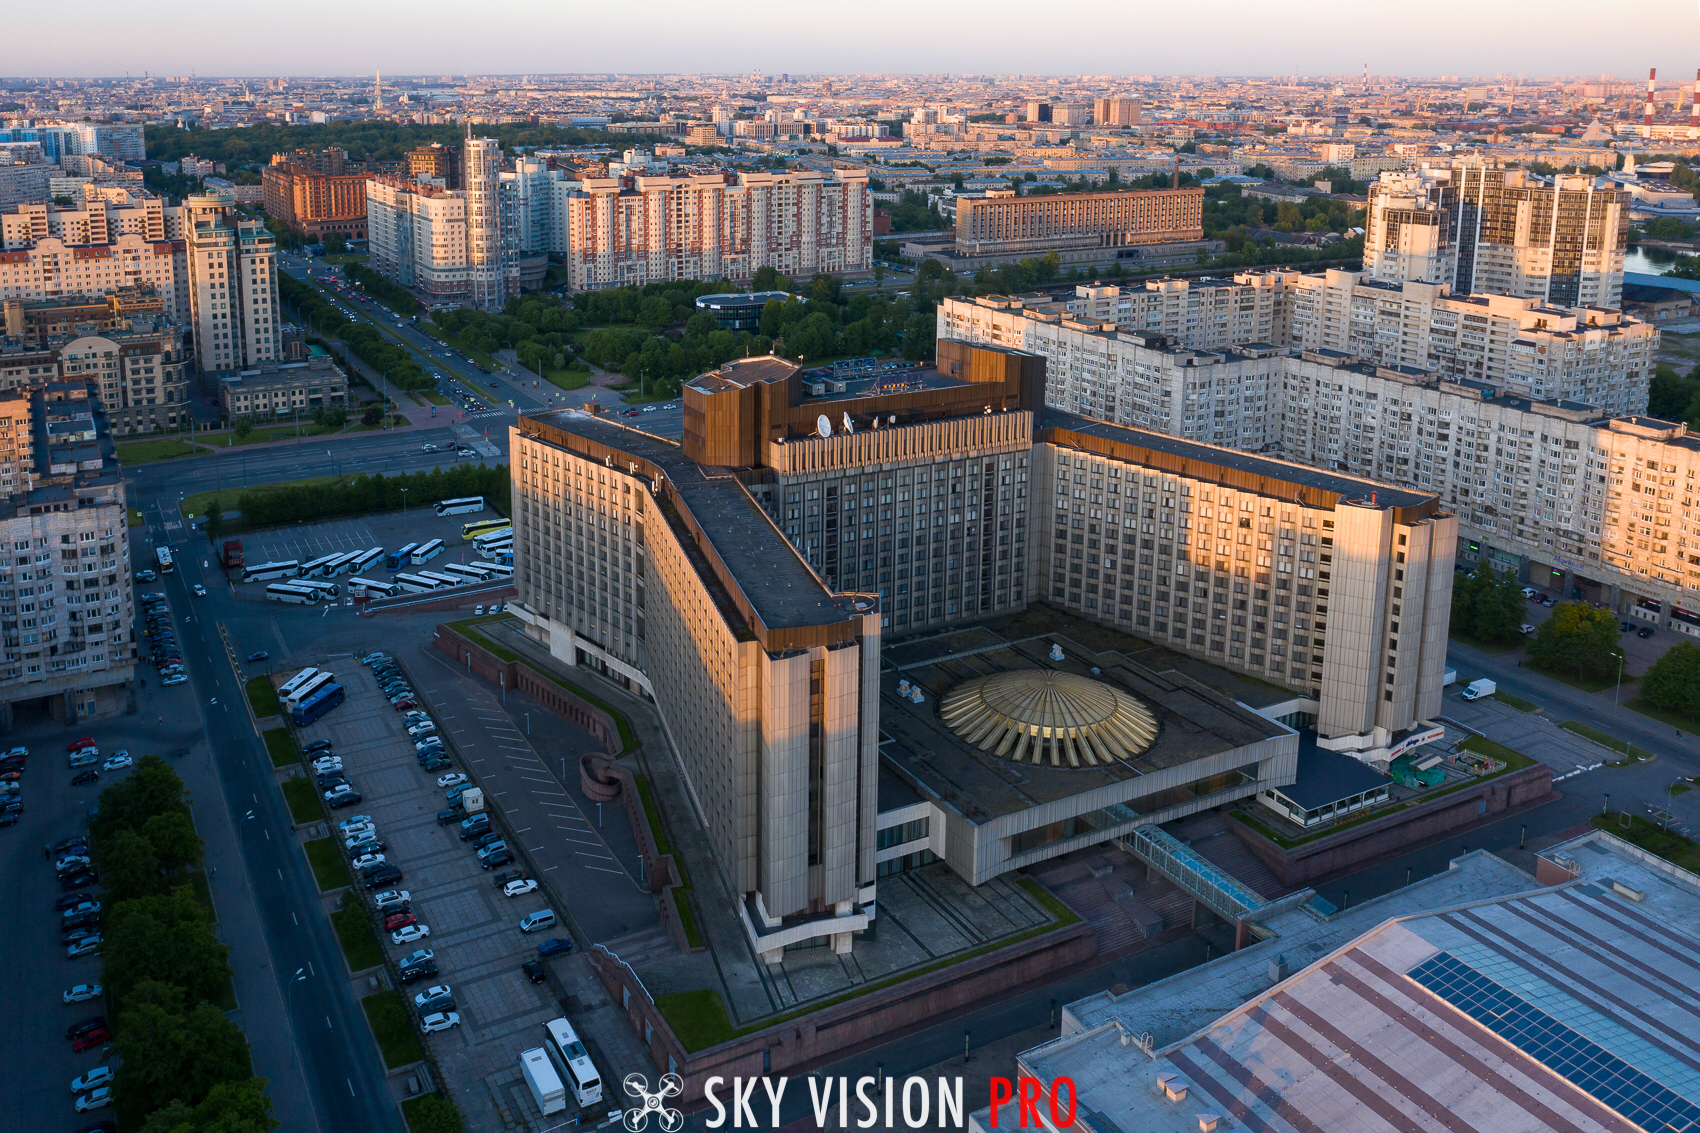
580, 841
599, 869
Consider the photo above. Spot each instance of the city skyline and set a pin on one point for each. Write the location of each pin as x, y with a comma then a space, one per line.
1330, 39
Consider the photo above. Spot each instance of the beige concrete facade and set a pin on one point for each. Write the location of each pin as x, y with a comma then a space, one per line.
232, 271
293, 387
51, 269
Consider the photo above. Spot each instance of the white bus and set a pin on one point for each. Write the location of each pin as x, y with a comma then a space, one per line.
470, 576
320, 566
414, 584
578, 1073
364, 561
264, 572
503, 570
297, 680
291, 593
441, 579
375, 589
344, 563
496, 546
505, 532
327, 590
425, 552
457, 507
294, 699
163, 554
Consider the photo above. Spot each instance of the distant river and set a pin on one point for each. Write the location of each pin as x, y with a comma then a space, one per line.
1649, 261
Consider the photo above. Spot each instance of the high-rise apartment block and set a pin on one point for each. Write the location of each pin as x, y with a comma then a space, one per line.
314, 202
232, 269
122, 140
1483, 229
67, 615
1003, 222
492, 233
746, 577
134, 357
96, 220
1116, 111
1537, 452
636, 230
437, 162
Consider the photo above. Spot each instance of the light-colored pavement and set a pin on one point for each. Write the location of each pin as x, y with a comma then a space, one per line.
1531, 733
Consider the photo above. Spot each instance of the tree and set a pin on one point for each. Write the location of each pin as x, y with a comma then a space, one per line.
1673, 681
165, 938
335, 243
175, 1056
373, 415
242, 428
1578, 639
229, 1107
128, 867
435, 1114
215, 521
174, 842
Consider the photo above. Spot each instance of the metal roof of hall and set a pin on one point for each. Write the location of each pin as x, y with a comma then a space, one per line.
1339, 484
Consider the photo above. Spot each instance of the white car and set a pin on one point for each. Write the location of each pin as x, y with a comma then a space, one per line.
327, 763
431, 993
441, 1021
519, 888
354, 831
93, 1080
174, 680
365, 860
410, 933
356, 837
390, 898
348, 824
82, 993
101, 1098
117, 763
1526, 628
452, 779
200, 591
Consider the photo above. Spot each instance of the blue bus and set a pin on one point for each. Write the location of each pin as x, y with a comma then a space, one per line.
400, 555
316, 705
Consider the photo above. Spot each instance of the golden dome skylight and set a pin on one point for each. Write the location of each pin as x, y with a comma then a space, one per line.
1044, 717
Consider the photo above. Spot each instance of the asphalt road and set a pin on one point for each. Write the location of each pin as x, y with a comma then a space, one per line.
337, 1056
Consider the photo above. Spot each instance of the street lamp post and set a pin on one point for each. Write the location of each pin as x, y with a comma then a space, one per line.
1619, 690
404, 527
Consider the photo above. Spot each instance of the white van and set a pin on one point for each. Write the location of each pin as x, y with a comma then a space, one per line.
541, 919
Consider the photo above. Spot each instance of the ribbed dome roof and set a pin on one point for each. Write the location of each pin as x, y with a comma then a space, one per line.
1041, 716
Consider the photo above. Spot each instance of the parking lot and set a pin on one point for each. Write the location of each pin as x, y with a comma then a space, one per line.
388, 530
474, 930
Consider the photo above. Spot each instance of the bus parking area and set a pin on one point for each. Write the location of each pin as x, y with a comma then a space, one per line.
328, 557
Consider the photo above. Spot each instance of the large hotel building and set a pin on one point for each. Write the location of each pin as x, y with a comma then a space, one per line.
747, 577
1004, 222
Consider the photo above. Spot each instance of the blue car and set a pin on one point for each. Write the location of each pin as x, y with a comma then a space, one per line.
553, 947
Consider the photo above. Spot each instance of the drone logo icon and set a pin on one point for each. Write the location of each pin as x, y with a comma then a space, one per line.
637, 1118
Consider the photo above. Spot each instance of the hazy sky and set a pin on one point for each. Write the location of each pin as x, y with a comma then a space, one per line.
1228, 37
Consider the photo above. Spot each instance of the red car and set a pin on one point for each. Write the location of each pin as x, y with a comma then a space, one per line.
10, 776
399, 920
78, 745
92, 1040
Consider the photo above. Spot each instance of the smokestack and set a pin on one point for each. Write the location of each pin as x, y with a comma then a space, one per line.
1177, 180
1366, 78
1647, 115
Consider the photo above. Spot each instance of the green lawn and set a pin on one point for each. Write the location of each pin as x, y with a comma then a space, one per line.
1491, 648
432, 1113
282, 746
1517, 702
161, 448
328, 864
265, 434
263, 697
1481, 745
201, 503
136, 519
1664, 715
1288, 843
1607, 741
359, 943
395, 1031
304, 801
567, 379
1576, 682
431, 396
1672, 847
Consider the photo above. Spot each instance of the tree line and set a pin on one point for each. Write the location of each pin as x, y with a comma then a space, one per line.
383, 141
183, 1065
1673, 396
364, 340
378, 493
1488, 606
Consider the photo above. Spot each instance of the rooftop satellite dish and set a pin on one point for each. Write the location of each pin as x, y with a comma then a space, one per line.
823, 425
848, 427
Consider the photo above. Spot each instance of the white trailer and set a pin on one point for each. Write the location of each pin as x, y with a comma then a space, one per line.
546, 1087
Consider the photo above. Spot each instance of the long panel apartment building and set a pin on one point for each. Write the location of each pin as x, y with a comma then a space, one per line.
1004, 222
1544, 480
747, 577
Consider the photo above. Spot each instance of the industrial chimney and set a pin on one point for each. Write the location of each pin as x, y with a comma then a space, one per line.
1647, 114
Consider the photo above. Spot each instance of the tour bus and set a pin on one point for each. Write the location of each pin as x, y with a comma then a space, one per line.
321, 702
578, 1073
316, 567
399, 556
163, 554
503, 569
470, 531
344, 563
495, 535
297, 681
474, 573
375, 589
440, 578
326, 590
301, 694
425, 552
457, 507
497, 547
364, 561
291, 594
264, 572
414, 584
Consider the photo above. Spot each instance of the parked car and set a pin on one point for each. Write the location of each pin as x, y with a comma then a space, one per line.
410, 934
436, 762
534, 971
350, 799
118, 762
94, 1099
316, 745
440, 1021
384, 875
82, 993
411, 973
93, 1080
258, 655
392, 900
399, 920
500, 858
450, 814
554, 947
84, 778
327, 763
98, 1037
1624, 627
453, 779
76, 880
347, 825
519, 888
1644, 631
87, 1026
